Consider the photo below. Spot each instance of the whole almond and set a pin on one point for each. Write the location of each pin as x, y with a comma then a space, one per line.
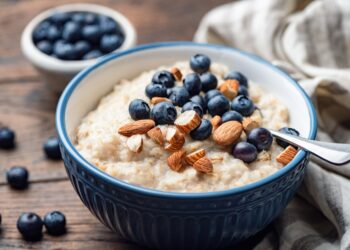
195, 156
249, 124
287, 155
176, 73
228, 133
156, 135
135, 143
215, 122
155, 100
136, 127
203, 165
187, 121
176, 160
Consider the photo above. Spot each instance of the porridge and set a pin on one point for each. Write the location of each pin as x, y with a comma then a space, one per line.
191, 127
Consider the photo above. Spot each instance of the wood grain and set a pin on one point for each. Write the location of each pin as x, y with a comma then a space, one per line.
27, 106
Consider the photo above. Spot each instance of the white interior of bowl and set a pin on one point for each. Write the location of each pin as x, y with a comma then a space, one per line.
100, 81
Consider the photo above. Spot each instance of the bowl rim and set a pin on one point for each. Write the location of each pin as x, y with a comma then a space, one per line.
40, 59
64, 138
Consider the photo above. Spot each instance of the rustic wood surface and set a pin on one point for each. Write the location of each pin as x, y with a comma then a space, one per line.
28, 107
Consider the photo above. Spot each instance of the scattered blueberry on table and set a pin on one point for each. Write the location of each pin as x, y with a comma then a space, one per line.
52, 149
78, 35
17, 177
55, 223
7, 138
30, 226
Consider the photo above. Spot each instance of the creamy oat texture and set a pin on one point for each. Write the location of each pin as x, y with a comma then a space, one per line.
98, 141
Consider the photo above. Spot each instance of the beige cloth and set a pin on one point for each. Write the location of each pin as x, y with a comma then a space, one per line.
311, 41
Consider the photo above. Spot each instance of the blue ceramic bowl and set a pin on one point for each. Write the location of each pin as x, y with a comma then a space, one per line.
168, 220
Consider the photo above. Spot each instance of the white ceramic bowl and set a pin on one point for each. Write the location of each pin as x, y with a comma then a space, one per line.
57, 73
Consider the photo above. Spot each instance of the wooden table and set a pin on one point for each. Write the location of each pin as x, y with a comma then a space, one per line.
28, 107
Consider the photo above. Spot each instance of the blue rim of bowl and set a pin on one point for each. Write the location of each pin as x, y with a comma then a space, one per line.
64, 138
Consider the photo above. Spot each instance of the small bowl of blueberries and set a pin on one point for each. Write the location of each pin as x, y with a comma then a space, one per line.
62, 41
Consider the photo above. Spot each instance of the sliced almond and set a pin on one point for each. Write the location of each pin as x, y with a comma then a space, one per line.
203, 165
155, 100
136, 127
175, 139
215, 122
286, 155
176, 73
187, 121
195, 156
228, 133
229, 88
156, 135
176, 160
249, 124
135, 143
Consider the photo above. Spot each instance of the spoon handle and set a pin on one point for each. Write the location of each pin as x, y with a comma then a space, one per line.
335, 153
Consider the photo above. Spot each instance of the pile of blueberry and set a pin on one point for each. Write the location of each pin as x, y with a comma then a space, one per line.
77, 35
199, 93
30, 224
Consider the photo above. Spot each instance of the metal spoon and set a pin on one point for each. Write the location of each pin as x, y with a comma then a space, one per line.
334, 153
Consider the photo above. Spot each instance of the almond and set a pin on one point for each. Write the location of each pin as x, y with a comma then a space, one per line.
136, 127
229, 88
155, 100
228, 133
203, 165
176, 160
215, 122
249, 124
286, 155
156, 135
187, 121
195, 156
176, 73
135, 143
175, 139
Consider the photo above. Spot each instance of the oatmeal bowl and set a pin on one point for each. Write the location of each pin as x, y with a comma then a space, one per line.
169, 144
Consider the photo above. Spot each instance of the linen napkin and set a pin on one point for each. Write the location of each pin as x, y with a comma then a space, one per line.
310, 40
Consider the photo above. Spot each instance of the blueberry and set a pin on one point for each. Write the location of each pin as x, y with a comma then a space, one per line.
210, 94
110, 42
193, 106
53, 33
245, 151
261, 138
60, 18
203, 131
156, 90
243, 91
243, 105
200, 100
218, 105
71, 31
41, 31
168, 92
139, 109
92, 33
64, 50
164, 113
45, 47
193, 84
30, 226
289, 131
92, 54
235, 75
17, 177
109, 26
91, 18
52, 148
55, 223
231, 115
164, 78
78, 17
7, 138
179, 96
81, 48
200, 63
209, 81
